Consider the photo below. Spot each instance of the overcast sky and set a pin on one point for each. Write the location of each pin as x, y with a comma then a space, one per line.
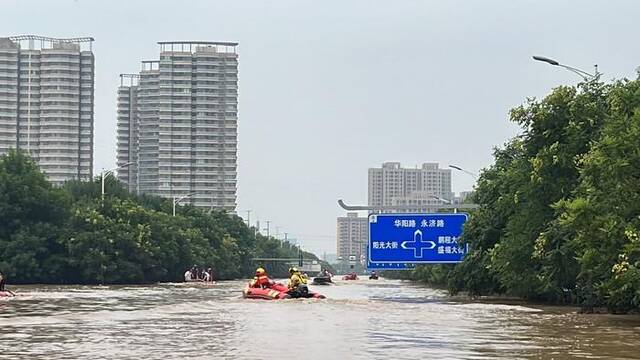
328, 89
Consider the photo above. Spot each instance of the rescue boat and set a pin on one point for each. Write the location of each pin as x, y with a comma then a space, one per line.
199, 283
277, 291
6, 294
322, 280
351, 276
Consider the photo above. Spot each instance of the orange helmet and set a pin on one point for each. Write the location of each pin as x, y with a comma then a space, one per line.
260, 271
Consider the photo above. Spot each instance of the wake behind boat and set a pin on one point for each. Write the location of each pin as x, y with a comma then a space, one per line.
199, 283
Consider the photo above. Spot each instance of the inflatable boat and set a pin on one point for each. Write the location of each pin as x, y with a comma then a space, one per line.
6, 294
352, 276
277, 291
322, 280
199, 283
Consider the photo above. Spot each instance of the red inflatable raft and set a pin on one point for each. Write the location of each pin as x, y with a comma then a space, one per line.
351, 276
6, 294
277, 291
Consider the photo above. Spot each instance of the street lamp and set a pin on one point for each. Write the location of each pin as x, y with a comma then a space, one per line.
583, 74
441, 199
104, 174
448, 202
176, 200
249, 218
463, 170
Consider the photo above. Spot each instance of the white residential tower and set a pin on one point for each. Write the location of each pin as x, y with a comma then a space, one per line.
46, 103
178, 122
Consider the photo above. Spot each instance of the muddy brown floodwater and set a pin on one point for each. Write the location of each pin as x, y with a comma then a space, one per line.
364, 319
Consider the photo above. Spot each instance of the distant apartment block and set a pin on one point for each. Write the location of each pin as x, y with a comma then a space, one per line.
128, 125
425, 187
352, 236
46, 103
178, 122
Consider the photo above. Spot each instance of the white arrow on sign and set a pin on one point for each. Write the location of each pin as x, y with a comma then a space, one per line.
418, 244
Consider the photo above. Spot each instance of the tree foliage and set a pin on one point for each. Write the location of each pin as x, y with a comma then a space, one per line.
69, 235
559, 216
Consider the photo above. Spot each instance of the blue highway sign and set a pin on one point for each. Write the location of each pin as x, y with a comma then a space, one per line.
416, 238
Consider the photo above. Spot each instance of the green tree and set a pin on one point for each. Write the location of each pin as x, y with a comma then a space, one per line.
32, 214
559, 208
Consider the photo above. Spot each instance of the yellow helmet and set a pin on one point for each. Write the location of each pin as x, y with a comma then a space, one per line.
293, 270
260, 271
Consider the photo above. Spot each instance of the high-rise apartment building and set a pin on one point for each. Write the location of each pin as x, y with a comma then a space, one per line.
127, 138
46, 103
352, 236
178, 124
424, 187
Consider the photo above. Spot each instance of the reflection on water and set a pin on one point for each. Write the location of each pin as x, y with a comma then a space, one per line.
361, 320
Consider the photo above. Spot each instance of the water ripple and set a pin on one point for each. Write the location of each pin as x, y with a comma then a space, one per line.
359, 320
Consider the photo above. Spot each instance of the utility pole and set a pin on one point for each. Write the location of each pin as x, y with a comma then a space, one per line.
300, 261
267, 228
249, 218
285, 239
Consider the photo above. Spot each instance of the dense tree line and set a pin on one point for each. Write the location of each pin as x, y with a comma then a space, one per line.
559, 216
69, 235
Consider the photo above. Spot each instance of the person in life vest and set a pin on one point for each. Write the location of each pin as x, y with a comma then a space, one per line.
297, 283
261, 280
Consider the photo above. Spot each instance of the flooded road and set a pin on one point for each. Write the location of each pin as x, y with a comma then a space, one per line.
360, 320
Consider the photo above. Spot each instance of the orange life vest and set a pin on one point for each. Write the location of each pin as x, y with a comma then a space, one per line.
261, 281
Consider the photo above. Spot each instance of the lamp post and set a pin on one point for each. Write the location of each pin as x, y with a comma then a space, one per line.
177, 200
583, 74
104, 174
463, 170
449, 202
441, 199
249, 218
